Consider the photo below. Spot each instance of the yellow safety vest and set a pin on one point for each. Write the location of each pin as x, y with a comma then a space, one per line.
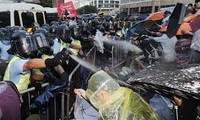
38, 71
63, 45
24, 79
119, 33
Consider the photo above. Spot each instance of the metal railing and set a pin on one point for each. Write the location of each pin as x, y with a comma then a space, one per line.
61, 106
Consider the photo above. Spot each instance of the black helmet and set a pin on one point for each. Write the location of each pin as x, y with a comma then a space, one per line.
55, 23
22, 44
16, 28
94, 23
101, 28
42, 44
4, 36
85, 27
46, 34
53, 31
35, 26
106, 25
64, 33
46, 27
75, 31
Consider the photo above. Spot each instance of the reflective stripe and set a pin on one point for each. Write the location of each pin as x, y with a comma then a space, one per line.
24, 79
63, 45
44, 57
119, 32
7, 73
38, 71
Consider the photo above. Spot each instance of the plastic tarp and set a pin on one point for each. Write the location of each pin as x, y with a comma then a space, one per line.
168, 79
115, 102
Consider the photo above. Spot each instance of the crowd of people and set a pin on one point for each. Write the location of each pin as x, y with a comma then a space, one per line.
42, 54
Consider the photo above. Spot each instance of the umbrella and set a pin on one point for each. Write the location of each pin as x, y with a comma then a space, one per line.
183, 27
107, 17
155, 16
189, 18
167, 78
195, 24
142, 26
175, 19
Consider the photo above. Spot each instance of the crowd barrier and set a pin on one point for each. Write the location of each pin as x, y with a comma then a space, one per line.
61, 106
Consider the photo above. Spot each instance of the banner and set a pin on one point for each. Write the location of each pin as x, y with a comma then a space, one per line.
64, 8
59, 9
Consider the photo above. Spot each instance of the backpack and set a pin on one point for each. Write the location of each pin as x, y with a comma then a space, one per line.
10, 101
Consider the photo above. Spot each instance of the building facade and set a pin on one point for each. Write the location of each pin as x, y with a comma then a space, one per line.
105, 5
148, 6
14, 1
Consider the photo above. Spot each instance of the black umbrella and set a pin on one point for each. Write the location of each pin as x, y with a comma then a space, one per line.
176, 19
108, 17
141, 28
167, 78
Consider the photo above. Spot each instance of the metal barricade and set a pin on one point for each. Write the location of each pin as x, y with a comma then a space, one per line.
120, 56
61, 106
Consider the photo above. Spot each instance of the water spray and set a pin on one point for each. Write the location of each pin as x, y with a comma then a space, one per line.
84, 63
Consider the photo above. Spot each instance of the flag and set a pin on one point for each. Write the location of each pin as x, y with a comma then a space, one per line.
71, 9
66, 8
59, 9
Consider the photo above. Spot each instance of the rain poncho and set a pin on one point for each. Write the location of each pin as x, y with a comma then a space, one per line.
117, 103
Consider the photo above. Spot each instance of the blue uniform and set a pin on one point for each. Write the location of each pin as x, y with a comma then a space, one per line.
56, 46
3, 51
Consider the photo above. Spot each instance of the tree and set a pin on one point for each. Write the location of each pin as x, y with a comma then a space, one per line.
46, 3
87, 9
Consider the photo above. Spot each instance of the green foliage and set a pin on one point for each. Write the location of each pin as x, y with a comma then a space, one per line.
87, 9
46, 3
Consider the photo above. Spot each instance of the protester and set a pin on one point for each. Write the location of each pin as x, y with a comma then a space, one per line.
115, 102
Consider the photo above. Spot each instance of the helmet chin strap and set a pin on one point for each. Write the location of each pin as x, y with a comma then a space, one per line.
22, 57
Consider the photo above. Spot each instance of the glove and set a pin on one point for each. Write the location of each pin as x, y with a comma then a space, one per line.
83, 56
59, 59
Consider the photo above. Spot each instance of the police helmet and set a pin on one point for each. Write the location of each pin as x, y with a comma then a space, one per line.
46, 34
53, 30
64, 33
101, 28
42, 44
22, 44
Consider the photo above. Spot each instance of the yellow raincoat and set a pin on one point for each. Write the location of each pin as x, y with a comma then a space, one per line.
117, 103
